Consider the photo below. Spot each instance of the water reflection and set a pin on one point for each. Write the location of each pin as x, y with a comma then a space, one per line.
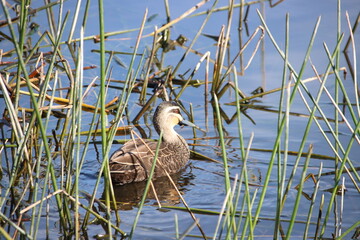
129, 196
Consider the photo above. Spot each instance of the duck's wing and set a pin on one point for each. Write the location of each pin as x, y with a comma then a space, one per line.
132, 162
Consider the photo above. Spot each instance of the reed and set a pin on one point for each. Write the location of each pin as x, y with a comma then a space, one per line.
282, 163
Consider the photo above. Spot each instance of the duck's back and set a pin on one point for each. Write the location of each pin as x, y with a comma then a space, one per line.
133, 162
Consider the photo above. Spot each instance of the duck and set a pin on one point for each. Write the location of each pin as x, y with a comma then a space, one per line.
133, 161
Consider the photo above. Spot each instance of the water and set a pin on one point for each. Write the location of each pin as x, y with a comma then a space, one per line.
201, 182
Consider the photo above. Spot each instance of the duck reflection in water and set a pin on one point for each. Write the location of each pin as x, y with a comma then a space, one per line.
129, 195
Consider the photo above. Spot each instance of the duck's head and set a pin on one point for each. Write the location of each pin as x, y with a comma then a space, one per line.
167, 115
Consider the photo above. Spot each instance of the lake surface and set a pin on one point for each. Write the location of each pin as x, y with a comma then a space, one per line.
201, 182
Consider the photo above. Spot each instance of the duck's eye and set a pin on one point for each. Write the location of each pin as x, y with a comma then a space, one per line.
177, 111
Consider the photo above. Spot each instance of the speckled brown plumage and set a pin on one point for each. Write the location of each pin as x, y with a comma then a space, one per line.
133, 161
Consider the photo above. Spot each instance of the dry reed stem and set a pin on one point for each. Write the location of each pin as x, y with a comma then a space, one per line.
184, 15
41, 200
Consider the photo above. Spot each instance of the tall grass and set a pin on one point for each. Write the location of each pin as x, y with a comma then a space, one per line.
43, 162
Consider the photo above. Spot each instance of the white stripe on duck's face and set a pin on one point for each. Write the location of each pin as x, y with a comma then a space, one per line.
174, 116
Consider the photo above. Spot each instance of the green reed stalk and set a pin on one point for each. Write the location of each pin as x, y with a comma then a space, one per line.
278, 137
176, 222
305, 135
352, 41
282, 166
321, 206
341, 85
18, 132
57, 53
86, 145
69, 146
315, 102
343, 89
322, 131
244, 155
36, 108
147, 186
337, 180
236, 224
248, 219
231, 211
241, 25
102, 77
95, 213
51, 20
247, 196
78, 100
217, 81
120, 110
215, 86
312, 203
222, 143
336, 89
129, 83
331, 56
167, 10
75, 17
299, 194
64, 212
349, 230
60, 16
89, 135
14, 225
244, 169
22, 35
86, 13
328, 124
103, 118
148, 68
38, 163
221, 213
223, 148
67, 218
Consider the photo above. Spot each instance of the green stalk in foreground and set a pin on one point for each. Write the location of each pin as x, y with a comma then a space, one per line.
299, 194
243, 156
147, 187
104, 142
282, 167
222, 143
36, 107
130, 78
282, 124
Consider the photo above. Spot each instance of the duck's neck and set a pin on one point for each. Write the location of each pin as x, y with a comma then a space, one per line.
172, 137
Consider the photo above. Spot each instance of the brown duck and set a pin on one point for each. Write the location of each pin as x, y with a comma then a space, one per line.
133, 161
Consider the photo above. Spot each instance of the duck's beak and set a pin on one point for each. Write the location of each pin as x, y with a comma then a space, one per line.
190, 124
187, 123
